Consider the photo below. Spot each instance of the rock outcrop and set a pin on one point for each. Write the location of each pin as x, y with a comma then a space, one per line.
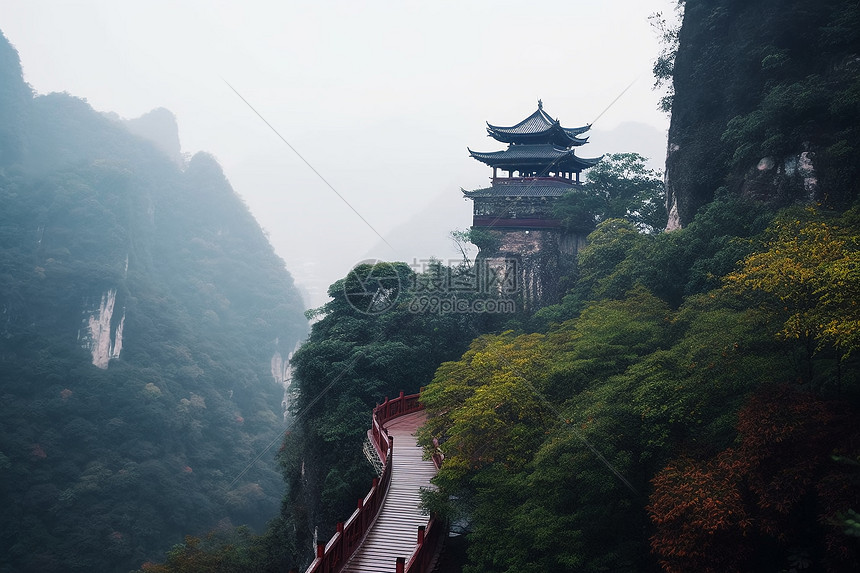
766, 104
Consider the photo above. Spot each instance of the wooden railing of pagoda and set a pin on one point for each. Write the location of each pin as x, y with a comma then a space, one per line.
518, 180
332, 556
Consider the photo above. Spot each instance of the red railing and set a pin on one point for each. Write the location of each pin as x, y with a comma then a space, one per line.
430, 540
332, 556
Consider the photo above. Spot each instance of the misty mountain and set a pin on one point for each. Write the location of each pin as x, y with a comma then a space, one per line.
158, 126
145, 323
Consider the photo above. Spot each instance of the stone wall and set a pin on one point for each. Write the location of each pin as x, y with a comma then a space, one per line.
542, 257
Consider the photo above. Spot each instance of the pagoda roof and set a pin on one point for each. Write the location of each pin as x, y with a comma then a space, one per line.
527, 187
539, 127
542, 157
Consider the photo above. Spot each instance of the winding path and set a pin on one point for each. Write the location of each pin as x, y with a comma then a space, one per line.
388, 532
394, 533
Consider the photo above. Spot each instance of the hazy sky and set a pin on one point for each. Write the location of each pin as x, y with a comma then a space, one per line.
382, 98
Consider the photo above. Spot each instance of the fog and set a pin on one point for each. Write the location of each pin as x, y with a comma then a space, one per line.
380, 98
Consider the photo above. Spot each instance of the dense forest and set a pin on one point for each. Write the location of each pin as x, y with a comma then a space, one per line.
718, 434
691, 404
141, 307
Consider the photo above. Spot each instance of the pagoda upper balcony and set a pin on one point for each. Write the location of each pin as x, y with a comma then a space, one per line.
567, 178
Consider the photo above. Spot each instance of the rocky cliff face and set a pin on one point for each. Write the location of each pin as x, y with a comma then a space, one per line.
101, 333
767, 104
533, 263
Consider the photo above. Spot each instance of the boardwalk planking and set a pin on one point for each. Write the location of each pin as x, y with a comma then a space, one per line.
396, 529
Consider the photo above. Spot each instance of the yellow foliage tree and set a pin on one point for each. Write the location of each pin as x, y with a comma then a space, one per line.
809, 264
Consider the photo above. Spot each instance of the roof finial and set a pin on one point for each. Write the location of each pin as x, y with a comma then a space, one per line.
540, 104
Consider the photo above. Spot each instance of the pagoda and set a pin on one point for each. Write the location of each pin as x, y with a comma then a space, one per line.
516, 210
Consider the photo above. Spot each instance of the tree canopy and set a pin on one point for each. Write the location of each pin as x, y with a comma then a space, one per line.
642, 433
620, 186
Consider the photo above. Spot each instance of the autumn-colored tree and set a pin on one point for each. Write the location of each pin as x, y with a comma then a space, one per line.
786, 436
776, 492
223, 550
192, 557
698, 511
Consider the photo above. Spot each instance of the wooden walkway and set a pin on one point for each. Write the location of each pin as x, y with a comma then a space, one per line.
394, 534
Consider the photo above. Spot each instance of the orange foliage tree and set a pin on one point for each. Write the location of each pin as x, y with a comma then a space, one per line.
777, 491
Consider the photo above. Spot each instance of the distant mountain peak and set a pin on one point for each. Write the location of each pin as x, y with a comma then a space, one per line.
158, 126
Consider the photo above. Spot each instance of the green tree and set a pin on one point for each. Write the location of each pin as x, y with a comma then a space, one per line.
620, 186
687, 392
671, 265
610, 264
664, 65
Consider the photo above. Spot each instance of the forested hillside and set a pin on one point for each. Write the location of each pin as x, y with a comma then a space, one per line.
144, 321
717, 434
